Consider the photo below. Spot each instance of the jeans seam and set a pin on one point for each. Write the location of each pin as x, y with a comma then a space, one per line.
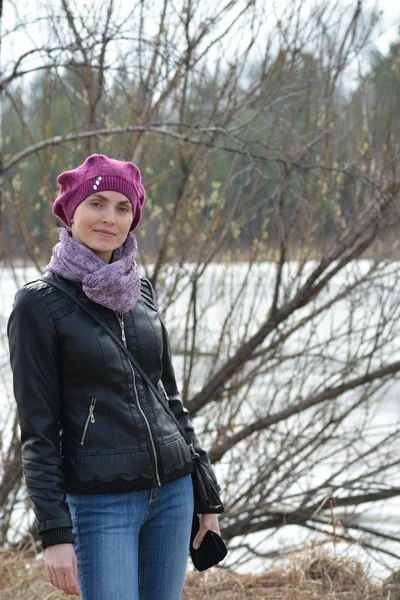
141, 568
146, 514
77, 543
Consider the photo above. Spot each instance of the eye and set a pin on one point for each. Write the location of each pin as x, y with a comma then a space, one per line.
124, 209
95, 203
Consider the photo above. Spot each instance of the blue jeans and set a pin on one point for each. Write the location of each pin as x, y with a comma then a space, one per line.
135, 545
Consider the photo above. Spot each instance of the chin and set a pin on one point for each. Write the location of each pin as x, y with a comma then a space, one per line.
105, 245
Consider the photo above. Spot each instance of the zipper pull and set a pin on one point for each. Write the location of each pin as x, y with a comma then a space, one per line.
89, 419
91, 410
192, 450
122, 325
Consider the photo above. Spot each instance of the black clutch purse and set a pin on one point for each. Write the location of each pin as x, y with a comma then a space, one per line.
211, 551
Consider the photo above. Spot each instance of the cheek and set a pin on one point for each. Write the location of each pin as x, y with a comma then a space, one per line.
125, 223
86, 219
83, 227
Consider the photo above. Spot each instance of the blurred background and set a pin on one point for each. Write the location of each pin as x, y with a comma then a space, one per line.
267, 134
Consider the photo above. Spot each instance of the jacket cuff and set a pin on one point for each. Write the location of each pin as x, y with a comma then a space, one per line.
60, 535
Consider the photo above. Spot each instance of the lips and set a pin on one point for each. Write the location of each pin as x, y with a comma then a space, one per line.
105, 232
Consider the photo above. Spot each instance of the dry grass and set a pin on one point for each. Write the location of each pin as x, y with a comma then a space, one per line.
313, 575
316, 575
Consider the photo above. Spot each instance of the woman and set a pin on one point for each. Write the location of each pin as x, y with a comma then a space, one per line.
106, 467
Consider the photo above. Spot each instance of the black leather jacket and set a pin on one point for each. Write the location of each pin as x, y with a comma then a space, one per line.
89, 423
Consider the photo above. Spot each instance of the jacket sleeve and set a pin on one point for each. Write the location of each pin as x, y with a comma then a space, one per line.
33, 355
174, 399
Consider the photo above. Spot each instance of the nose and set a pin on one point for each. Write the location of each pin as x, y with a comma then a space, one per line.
109, 216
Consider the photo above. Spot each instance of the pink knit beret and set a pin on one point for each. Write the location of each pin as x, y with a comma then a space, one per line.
98, 173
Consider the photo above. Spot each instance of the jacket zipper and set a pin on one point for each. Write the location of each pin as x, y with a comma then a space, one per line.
122, 325
90, 418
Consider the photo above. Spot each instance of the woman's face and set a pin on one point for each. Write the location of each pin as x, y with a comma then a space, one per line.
101, 222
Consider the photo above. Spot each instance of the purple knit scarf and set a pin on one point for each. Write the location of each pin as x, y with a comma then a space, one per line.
115, 285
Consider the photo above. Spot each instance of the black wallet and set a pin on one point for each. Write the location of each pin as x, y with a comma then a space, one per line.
212, 549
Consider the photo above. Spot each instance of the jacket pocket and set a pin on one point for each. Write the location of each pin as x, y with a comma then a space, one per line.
89, 419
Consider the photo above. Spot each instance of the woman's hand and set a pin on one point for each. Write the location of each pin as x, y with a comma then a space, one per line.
62, 568
206, 522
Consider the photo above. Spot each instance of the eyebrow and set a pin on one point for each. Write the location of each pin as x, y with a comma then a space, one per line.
107, 199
